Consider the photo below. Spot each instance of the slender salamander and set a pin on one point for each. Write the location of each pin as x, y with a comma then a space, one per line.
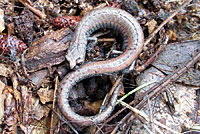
120, 22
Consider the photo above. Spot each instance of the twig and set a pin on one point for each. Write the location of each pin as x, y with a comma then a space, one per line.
23, 63
116, 128
53, 107
155, 56
36, 11
158, 88
117, 82
146, 117
146, 64
109, 119
166, 20
53, 110
63, 120
151, 59
127, 128
196, 107
107, 40
116, 114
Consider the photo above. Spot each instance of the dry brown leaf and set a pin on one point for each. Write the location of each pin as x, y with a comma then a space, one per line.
181, 17
95, 106
42, 126
2, 97
2, 25
45, 95
178, 114
172, 35
5, 71
151, 25
38, 110
10, 28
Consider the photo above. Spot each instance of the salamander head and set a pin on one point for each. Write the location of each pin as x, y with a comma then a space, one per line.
75, 54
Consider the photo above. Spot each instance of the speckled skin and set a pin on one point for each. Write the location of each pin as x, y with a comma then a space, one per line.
120, 22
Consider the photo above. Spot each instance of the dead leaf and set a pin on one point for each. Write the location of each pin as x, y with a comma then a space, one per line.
181, 96
172, 35
181, 17
38, 77
14, 81
42, 126
45, 95
16, 93
5, 71
151, 25
38, 110
2, 25
11, 29
95, 106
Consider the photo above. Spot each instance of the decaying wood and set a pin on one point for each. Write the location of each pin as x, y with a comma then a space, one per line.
49, 50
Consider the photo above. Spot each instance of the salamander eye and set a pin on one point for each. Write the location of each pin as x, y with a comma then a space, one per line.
80, 60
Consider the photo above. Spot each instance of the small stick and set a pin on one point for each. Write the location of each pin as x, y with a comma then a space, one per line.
142, 68
151, 59
155, 56
112, 89
166, 21
146, 117
196, 107
63, 120
158, 88
107, 40
23, 63
33, 9
53, 107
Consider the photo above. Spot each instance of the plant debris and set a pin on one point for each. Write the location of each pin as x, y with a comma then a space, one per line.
49, 50
24, 26
35, 36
